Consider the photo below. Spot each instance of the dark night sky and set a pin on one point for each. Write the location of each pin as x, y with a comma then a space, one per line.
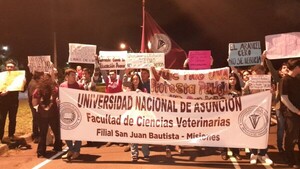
27, 26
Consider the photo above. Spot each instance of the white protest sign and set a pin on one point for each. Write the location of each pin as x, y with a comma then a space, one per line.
262, 82
112, 60
138, 117
82, 53
145, 60
40, 63
285, 45
244, 54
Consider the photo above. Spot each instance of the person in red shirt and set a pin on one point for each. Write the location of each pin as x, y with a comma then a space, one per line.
74, 149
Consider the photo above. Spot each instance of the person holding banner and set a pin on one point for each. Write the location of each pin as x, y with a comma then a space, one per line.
137, 85
88, 84
74, 147
9, 103
290, 97
113, 82
145, 75
259, 153
235, 90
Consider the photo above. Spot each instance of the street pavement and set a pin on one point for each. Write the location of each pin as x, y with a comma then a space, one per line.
99, 156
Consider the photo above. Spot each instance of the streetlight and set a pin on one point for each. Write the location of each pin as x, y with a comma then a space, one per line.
123, 46
5, 48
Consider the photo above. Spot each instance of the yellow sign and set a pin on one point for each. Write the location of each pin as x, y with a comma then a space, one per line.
12, 81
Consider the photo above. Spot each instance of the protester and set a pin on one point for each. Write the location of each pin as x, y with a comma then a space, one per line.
74, 146
36, 78
258, 153
45, 97
78, 72
113, 83
9, 103
235, 90
290, 97
137, 85
87, 81
145, 75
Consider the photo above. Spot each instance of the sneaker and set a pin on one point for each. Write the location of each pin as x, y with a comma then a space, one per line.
237, 156
134, 159
253, 159
36, 140
108, 144
178, 149
266, 159
67, 155
147, 158
121, 145
127, 148
224, 156
168, 153
75, 155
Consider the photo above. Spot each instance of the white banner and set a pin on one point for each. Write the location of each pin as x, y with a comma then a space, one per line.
145, 60
40, 63
285, 45
82, 53
137, 117
112, 60
190, 84
244, 54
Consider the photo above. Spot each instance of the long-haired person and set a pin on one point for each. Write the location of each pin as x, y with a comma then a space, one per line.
235, 90
137, 85
45, 97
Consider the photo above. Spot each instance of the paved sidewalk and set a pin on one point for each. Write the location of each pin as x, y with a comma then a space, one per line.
21, 142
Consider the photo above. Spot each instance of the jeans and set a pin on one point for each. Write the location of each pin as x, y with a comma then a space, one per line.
280, 129
74, 147
135, 150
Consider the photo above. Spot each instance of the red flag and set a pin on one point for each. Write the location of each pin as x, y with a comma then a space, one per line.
154, 39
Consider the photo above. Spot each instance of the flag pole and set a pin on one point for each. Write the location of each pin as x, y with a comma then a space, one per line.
54, 50
143, 29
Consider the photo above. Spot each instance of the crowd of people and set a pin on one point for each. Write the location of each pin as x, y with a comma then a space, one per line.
44, 103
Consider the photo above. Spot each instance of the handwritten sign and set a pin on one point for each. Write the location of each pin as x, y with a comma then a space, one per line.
12, 81
190, 84
112, 60
244, 54
280, 46
200, 59
39, 63
262, 82
145, 60
82, 53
